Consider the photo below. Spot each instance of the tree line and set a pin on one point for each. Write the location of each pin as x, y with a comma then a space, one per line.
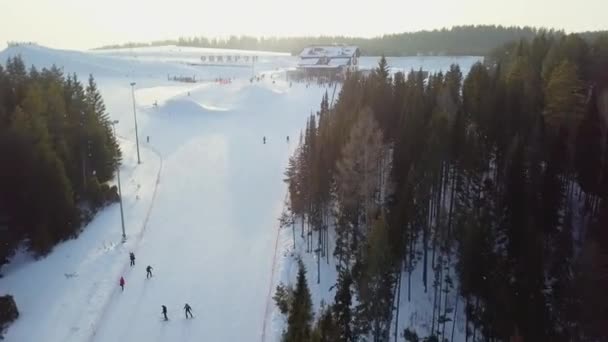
494, 183
459, 40
57, 153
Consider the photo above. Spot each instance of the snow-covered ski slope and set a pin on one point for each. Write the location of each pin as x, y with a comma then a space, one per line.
201, 208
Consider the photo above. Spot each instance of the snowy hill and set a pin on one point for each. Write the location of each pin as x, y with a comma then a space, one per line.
173, 51
153, 62
201, 209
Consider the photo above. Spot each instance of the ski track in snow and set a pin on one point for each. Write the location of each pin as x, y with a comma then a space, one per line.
95, 313
140, 235
269, 301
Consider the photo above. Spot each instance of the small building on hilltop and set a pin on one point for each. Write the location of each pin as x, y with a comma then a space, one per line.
330, 61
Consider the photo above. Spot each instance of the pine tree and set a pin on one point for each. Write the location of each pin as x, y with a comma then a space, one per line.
299, 319
588, 150
358, 180
103, 148
564, 99
375, 286
342, 307
283, 298
382, 71
325, 328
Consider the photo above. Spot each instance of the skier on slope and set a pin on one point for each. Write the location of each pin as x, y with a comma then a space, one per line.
264, 139
188, 310
148, 272
288, 138
132, 257
165, 312
121, 282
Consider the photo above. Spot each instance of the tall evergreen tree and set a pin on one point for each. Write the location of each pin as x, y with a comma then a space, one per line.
299, 319
342, 311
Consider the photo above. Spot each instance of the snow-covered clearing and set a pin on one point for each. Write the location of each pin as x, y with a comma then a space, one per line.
201, 209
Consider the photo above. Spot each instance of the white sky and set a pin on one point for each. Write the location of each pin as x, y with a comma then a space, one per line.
84, 24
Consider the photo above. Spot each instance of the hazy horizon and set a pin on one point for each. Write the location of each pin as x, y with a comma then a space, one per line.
83, 24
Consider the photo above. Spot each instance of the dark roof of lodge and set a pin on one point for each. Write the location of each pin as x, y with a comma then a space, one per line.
331, 51
327, 56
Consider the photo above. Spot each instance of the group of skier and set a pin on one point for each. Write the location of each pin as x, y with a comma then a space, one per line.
187, 307
264, 139
187, 311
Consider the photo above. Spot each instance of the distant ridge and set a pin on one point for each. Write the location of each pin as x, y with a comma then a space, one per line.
459, 40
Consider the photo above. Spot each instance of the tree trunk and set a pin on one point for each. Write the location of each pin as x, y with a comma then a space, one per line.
454, 320
425, 243
440, 281
475, 312
434, 303
398, 299
450, 212
319, 264
466, 321
433, 253
410, 266
441, 192
84, 168
308, 236
293, 230
323, 241
327, 243
320, 242
445, 305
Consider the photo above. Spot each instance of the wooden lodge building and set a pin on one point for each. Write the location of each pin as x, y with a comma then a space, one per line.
328, 61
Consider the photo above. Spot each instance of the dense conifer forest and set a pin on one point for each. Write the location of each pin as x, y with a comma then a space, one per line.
459, 40
57, 153
496, 180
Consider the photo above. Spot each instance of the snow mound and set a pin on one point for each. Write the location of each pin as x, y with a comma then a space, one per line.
213, 108
259, 92
186, 106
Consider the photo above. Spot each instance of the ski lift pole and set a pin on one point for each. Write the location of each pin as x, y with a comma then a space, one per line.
122, 216
332, 95
135, 118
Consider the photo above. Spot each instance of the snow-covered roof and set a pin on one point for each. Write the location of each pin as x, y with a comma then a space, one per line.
327, 57
319, 66
338, 61
330, 51
323, 63
308, 61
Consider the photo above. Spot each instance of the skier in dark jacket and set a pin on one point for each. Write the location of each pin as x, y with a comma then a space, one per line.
122, 283
188, 311
264, 140
132, 257
149, 272
165, 312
